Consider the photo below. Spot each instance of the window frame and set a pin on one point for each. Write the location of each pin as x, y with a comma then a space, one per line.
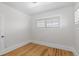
50, 19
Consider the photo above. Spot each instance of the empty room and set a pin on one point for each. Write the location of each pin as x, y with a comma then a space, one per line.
39, 28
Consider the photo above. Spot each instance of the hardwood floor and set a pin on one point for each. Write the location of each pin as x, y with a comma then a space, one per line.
33, 49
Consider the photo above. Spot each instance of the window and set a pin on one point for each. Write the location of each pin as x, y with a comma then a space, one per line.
41, 23
52, 23
77, 16
49, 22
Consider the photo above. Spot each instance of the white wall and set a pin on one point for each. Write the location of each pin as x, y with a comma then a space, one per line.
16, 26
63, 35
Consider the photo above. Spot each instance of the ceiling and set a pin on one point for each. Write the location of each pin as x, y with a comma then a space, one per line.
33, 8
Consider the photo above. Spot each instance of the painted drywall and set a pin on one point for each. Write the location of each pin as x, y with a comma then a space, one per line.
16, 26
64, 35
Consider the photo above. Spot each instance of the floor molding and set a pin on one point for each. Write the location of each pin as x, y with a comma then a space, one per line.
13, 47
57, 46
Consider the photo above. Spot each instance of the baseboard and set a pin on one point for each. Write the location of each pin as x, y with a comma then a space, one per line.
13, 47
56, 46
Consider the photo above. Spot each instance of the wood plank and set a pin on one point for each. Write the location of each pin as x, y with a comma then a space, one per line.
26, 50
59, 52
45, 53
30, 53
40, 51
51, 52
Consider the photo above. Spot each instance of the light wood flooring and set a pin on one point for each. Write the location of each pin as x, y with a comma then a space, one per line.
33, 49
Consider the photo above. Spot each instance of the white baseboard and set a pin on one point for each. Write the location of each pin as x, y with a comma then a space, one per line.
13, 47
57, 46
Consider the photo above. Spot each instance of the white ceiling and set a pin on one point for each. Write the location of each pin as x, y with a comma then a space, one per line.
37, 7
